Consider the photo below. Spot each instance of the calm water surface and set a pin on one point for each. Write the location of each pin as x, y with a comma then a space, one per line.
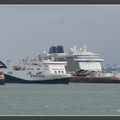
72, 99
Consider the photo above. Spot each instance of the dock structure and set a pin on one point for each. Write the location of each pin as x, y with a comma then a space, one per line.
78, 79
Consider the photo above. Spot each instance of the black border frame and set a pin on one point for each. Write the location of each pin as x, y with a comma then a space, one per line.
59, 1
60, 117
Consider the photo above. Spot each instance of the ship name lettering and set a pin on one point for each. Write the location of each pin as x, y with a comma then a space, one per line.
37, 75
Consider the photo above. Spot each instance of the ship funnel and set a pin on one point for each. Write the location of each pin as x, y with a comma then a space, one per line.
56, 49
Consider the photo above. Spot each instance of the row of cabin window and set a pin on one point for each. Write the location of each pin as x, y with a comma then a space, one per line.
32, 69
59, 72
39, 69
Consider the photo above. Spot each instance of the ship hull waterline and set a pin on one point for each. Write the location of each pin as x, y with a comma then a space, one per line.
12, 79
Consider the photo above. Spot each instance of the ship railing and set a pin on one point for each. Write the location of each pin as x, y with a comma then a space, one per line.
98, 60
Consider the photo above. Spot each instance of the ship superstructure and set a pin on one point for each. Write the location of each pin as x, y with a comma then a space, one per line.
79, 60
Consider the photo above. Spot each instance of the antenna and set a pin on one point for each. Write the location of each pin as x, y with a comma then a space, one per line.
84, 47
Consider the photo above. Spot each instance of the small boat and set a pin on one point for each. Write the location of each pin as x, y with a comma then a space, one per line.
2, 78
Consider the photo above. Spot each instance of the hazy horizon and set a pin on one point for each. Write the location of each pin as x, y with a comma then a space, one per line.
26, 31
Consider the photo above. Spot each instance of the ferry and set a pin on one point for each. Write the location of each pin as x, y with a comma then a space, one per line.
80, 61
83, 62
42, 71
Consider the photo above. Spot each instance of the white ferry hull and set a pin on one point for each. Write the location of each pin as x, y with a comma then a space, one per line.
13, 79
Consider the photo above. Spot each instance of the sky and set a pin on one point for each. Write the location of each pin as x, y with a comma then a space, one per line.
27, 30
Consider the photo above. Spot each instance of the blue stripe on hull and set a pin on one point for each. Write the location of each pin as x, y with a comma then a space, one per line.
11, 79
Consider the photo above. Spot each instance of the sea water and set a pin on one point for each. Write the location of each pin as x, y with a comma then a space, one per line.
60, 99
